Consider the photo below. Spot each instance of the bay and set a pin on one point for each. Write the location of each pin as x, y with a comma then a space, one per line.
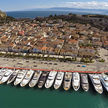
18, 97
34, 14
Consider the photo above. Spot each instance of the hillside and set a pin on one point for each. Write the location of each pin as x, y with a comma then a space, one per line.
4, 18
2, 14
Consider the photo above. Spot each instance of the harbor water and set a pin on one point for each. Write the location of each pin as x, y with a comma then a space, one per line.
34, 14
18, 97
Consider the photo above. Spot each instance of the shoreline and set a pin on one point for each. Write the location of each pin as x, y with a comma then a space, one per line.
36, 64
55, 70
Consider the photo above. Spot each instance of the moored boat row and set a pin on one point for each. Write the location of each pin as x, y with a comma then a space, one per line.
55, 79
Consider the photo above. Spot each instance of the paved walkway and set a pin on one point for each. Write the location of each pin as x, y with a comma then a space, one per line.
55, 70
37, 64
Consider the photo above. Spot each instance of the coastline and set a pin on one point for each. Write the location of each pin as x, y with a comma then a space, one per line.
36, 64
56, 70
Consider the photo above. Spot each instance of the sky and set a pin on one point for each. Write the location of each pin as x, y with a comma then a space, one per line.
14, 5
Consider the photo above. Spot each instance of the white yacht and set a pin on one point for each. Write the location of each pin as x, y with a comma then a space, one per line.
6, 76
76, 81
67, 80
58, 80
20, 77
43, 79
84, 82
50, 79
96, 83
35, 79
27, 78
13, 76
2, 72
104, 80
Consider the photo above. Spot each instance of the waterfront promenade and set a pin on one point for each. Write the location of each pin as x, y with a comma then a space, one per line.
56, 70
36, 64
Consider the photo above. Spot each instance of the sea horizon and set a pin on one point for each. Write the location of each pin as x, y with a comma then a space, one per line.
46, 13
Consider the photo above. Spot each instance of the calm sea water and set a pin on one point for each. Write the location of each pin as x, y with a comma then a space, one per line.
17, 97
34, 14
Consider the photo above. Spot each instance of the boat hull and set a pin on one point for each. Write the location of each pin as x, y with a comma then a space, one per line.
42, 79
76, 81
27, 78
50, 80
104, 84
35, 79
19, 80
84, 82
67, 81
97, 89
59, 80
5, 78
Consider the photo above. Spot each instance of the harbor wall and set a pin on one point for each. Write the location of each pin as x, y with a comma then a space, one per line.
55, 70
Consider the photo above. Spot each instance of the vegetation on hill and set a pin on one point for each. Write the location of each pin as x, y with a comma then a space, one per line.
4, 18
2, 14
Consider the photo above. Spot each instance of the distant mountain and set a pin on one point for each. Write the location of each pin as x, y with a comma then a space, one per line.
74, 10
66, 8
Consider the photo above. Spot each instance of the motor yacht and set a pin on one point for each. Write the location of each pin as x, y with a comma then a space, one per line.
2, 72
42, 79
27, 78
20, 77
35, 78
50, 79
84, 82
104, 80
96, 83
6, 76
13, 76
58, 80
67, 80
76, 81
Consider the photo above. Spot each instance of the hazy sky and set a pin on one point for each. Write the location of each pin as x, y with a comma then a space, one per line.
11, 5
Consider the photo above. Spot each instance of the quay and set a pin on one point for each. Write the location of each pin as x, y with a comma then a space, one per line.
56, 70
